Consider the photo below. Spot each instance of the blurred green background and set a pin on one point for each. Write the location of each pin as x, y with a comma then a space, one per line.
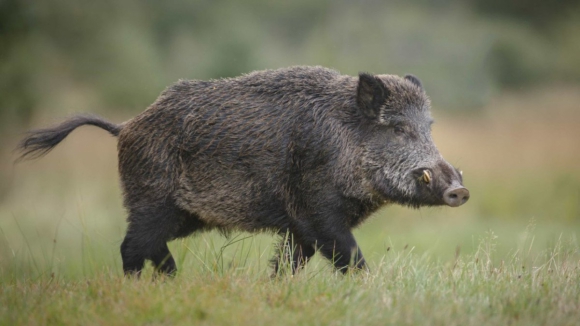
503, 76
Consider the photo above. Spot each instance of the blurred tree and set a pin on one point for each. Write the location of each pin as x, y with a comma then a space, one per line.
17, 96
63, 56
539, 13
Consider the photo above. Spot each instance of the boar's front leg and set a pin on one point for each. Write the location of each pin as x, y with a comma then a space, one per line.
328, 232
340, 247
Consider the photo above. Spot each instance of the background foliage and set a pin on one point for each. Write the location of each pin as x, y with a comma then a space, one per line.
118, 55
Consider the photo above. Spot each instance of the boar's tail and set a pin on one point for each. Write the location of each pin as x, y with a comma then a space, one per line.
41, 141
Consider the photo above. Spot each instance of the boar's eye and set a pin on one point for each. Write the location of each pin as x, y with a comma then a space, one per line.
399, 130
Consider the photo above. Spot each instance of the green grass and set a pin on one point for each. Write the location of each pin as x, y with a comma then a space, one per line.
227, 281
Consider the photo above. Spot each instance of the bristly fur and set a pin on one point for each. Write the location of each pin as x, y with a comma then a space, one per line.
301, 151
39, 142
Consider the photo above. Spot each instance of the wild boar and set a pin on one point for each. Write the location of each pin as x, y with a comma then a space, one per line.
303, 151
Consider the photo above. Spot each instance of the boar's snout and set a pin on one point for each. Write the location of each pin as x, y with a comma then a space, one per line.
456, 196
441, 184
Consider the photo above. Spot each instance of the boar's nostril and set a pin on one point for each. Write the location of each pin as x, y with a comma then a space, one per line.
456, 196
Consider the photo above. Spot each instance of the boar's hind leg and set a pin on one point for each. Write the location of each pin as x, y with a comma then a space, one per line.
147, 235
139, 245
163, 261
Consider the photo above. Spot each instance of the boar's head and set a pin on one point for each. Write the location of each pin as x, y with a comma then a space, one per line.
400, 160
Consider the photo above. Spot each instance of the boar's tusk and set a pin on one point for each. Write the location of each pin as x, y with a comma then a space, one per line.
426, 176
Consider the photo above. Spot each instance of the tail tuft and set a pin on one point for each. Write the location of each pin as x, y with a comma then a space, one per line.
39, 142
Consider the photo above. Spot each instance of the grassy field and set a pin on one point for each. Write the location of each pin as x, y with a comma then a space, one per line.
509, 256
402, 288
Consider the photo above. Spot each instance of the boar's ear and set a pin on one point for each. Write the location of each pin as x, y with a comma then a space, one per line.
371, 94
414, 80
